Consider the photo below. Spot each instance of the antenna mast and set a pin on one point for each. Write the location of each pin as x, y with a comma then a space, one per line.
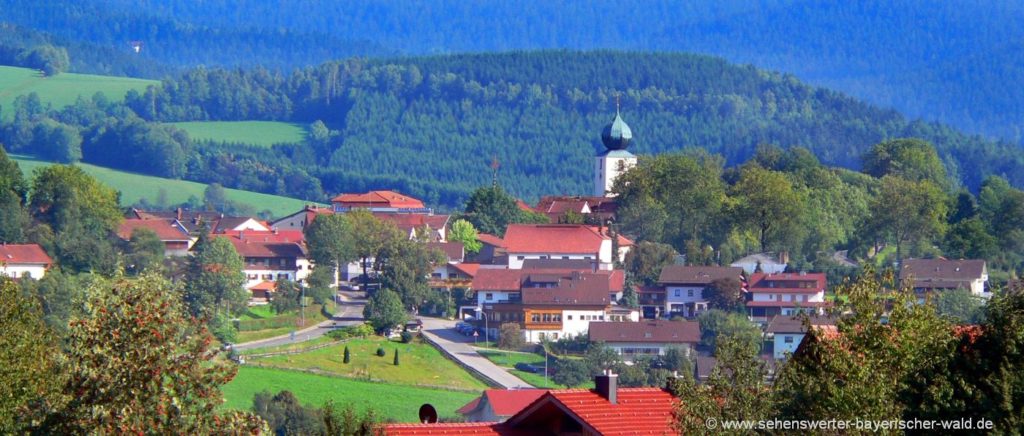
494, 171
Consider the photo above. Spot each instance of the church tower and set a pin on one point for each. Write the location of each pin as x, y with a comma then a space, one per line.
615, 159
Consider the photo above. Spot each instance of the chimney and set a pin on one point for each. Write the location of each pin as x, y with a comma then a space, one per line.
783, 257
607, 386
178, 214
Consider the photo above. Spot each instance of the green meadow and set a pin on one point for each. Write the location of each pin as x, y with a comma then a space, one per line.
63, 89
261, 133
395, 402
134, 187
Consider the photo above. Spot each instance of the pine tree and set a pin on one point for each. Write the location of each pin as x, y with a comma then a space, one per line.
396, 357
348, 357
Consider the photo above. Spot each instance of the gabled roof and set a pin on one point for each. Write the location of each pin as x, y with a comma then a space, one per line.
639, 411
411, 221
697, 275
32, 254
165, 229
942, 270
311, 211
265, 285
808, 283
561, 264
652, 331
230, 223
492, 279
453, 428
469, 269
390, 199
253, 247
296, 236
504, 402
454, 251
552, 238
500, 279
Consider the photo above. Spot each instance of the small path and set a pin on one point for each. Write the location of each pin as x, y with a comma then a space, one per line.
442, 333
349, 312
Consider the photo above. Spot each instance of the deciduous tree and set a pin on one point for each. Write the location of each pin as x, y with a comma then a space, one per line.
464, 232
385, 310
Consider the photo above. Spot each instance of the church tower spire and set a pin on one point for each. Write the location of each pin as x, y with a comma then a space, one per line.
615, 160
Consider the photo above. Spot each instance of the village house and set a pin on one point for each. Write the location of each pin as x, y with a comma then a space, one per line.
23, 260
548, 304
379, 202
593, 209
268, 257
684, 287
648, 338
497, 405
177, 241
301, 219
562, 241
786, 332
936, 275
192, 221
784, 294
606, 410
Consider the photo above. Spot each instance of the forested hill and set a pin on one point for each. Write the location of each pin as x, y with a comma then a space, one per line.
955, 61
431, 125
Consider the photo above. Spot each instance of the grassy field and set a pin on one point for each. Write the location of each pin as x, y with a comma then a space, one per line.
136, 186
420, 364
395, 402
314, 315
61, 90
510, 359
263, 133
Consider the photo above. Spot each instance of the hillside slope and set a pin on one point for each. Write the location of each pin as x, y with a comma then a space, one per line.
62, 89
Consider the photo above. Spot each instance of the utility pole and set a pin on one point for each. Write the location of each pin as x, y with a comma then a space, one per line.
302, 303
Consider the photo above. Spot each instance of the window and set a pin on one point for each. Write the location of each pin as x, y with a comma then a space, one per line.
689, 292
252, 276
803, 298
565, 257
268, 276
284, 262
568, 317
544, 257
489, 296
787, 339
677, 292
602, 317
535, 318
554, 336
520, 257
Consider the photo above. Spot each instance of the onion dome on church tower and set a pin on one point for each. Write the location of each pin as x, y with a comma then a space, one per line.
616, 136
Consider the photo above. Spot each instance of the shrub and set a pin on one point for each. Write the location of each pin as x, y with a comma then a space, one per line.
380, 351
396, 357
348, 357
353, 331
407, 337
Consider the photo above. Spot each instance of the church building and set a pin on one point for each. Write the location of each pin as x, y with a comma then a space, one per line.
615, 160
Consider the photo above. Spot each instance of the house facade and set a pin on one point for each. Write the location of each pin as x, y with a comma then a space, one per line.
684, 287
176, 238
787, 332
784, 294
648, 338
23, 260
267, 258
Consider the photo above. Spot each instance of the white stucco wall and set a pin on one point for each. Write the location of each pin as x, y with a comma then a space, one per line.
607, 169
17, 271
515, 260
782, 347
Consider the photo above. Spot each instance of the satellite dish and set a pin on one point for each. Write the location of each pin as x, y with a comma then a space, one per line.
428, 415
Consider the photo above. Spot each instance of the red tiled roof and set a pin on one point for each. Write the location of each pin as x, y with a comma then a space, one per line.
23, 253
469, 407
166, 230
697, 275
296, 236
523, 206
378, 199
265, 285
654, 331
552, 238
495, 279
638, 410
786, 283
452, 250
488, 279
490, 240
469, 269
504, 402
942, 270
410, 221
453, 428
786, 304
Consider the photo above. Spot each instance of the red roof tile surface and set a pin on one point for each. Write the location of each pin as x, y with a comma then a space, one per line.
490, 240
23, 254
452, 428
454, 251
377, 199
165, 229
639, 411
553, 238
697, 275
504, 402
254, 247
787, 283
410, 221
469, 269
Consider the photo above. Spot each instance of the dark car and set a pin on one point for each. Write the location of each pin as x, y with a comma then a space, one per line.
526, 367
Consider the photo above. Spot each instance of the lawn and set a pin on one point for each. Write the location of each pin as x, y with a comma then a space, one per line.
134, 187
419, 364
63, 89
395, 402
314, 315
289, 347
263, 133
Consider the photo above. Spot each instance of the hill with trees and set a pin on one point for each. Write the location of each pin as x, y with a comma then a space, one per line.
947, 61
430, 126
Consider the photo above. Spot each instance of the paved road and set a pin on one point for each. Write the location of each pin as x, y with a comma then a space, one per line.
349, 312
442, 333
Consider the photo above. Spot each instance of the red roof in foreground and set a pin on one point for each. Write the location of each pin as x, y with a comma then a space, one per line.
23, 253
508, 402
639, 410
454, 428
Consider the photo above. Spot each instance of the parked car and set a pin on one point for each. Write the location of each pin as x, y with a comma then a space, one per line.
526, 367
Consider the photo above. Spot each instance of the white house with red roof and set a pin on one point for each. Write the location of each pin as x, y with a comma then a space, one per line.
269, 256
299, 220
23, 260
785, 294
379, 201
496, 405
561, 241
684, 286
